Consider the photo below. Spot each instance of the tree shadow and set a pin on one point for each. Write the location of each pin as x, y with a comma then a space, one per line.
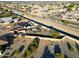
47, 54
57, 49
70, 47
21, 48
77, 46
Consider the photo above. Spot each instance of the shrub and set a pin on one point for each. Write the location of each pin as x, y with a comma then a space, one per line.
54, 33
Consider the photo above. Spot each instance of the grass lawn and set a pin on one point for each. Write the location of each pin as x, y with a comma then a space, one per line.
34, 42
59, 55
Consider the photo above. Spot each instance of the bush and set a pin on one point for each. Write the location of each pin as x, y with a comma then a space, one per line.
54, 33
59, 55
36, 41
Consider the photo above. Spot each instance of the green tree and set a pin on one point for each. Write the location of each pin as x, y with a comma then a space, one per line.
69, 7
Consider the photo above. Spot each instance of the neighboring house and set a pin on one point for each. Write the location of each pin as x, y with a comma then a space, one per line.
7, 20
70, 15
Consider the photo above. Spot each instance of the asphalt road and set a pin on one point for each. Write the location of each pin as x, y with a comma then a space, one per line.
57, 26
